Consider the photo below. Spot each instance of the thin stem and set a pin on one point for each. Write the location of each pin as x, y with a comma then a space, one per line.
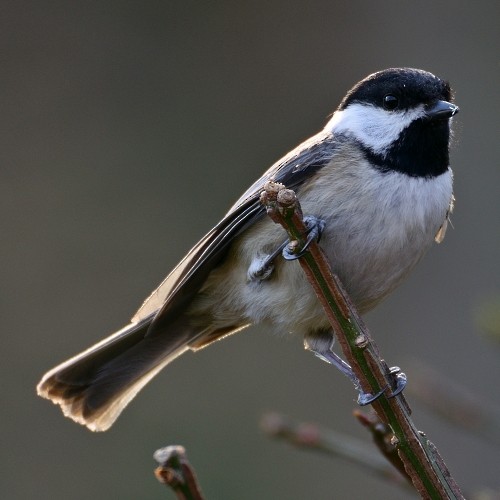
313, 437
421, 460
175, 471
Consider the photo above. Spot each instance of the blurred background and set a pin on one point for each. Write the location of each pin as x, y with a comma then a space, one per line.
128, 129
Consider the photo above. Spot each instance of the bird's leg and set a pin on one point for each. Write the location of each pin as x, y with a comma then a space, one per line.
262, 267
321, 344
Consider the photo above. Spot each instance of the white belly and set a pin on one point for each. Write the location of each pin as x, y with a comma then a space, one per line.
377, 228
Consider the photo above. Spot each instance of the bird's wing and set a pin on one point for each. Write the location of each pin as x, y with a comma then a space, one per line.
185, 280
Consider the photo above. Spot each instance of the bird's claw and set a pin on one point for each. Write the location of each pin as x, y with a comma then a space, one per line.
365, 398
400, 378
261, 268
314, 228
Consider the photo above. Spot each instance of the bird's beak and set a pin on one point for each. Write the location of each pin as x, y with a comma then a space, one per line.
440, 110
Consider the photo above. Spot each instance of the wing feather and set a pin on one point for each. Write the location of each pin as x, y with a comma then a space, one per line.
185, 280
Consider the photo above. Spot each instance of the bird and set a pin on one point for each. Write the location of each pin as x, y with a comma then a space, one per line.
375, 180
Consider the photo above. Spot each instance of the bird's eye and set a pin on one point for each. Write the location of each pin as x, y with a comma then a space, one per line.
390, 102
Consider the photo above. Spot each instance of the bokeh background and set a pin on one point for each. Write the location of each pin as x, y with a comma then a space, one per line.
128, 129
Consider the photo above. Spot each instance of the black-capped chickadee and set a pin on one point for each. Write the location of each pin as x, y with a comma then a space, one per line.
377, 175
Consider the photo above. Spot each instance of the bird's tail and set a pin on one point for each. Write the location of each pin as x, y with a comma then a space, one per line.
95, 386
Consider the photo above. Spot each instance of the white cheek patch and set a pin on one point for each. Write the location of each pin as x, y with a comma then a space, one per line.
374, 127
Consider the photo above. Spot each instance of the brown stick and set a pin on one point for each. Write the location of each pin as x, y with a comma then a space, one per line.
176, 472
316, 438
421, 460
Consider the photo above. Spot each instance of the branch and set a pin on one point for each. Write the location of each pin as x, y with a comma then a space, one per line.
421, 459
176, 472
316, 438
383, 438
455, 403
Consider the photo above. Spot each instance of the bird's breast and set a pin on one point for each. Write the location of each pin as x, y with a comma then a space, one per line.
378, 226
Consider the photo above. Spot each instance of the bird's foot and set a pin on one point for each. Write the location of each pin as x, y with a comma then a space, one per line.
262, 267
364, 398
314, 229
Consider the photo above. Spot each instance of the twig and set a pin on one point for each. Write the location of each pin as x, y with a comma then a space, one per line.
422, 462
314, 437
383, 438
176, 472
455, 403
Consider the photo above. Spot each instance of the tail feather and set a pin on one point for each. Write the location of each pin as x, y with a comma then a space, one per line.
95, 386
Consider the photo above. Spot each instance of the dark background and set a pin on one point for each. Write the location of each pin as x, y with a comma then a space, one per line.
127, 130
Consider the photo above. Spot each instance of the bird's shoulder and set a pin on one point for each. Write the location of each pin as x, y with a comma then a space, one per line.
184, 281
